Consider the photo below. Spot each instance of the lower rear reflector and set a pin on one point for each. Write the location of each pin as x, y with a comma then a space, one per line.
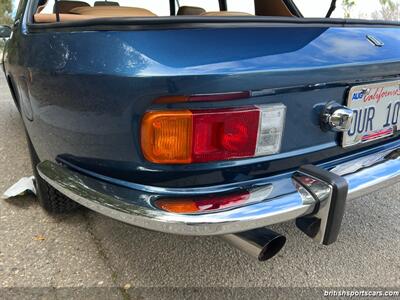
213, 202
202, 204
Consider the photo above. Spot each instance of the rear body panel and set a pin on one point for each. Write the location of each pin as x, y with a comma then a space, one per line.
83, 93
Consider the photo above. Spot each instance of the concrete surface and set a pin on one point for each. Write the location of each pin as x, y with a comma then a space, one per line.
86, 249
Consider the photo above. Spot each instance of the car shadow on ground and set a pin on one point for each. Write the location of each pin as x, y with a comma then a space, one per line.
22, 202
149, 258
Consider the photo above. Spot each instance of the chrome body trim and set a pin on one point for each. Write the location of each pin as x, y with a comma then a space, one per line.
283, 204
336, 117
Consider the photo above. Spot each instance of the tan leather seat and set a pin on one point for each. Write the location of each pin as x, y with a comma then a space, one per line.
87, 13
225, 14
51, 18
65, 7
113, 11
190, 11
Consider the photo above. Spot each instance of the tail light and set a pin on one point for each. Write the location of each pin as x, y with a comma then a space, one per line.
192, 136
212, 203
185, 206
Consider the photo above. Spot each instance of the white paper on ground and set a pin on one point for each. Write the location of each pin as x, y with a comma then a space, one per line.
21, 187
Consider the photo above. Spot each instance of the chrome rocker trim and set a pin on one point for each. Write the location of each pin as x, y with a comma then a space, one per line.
363, 176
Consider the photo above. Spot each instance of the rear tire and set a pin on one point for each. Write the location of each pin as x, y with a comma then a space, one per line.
49, 198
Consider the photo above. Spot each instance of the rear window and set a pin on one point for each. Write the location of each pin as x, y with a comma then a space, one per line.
161, 7
80, 10
241, 5
388, 10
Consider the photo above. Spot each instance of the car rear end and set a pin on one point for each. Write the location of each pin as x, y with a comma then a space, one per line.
212, 125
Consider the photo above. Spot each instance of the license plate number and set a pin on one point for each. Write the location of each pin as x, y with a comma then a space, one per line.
376, 112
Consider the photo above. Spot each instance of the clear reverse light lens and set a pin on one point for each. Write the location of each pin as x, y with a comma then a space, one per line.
270, 132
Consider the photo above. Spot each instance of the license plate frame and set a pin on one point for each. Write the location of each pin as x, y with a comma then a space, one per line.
370, 103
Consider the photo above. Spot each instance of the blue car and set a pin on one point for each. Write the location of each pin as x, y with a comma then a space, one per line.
211, 119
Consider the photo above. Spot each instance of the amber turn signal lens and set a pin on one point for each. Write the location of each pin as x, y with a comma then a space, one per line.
166, 137
178, 206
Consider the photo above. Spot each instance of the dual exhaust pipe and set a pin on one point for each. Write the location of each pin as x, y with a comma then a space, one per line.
261, 243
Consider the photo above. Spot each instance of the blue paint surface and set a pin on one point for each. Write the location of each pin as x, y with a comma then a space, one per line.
88, 90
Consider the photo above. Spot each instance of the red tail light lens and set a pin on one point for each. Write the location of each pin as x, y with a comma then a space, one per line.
224, 134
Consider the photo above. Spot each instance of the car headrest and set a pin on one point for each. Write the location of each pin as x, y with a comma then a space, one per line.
190, 11
106, 3
272, 8
113, 11
66, 6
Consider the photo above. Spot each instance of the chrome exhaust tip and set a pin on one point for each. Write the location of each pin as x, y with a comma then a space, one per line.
262, 243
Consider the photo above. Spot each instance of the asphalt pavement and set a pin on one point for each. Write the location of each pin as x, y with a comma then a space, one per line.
44, 254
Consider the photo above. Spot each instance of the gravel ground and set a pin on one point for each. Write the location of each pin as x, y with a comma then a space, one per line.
53, 255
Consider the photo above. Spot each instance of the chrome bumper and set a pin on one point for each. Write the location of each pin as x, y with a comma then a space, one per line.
290, 199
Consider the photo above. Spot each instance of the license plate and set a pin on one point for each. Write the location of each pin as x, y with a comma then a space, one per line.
376, 112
